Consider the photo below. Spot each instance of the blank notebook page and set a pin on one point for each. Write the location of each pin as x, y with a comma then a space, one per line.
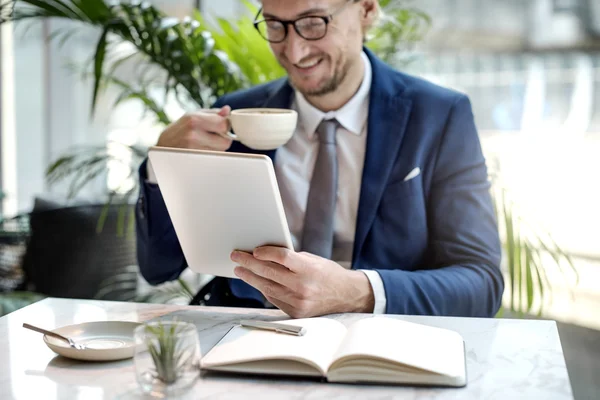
433, 349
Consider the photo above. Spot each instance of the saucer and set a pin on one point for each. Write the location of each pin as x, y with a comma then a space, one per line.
104, 341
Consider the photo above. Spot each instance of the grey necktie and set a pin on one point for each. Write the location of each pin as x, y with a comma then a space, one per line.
317, 236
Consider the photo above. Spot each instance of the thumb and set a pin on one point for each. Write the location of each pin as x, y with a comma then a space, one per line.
224, 111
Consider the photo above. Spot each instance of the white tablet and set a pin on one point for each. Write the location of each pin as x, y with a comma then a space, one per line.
220, 202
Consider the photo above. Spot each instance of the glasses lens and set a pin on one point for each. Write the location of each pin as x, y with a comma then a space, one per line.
311, 27
271, 30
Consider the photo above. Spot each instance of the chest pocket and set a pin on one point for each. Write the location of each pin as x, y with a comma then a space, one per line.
402, 232
401, 189
403, 209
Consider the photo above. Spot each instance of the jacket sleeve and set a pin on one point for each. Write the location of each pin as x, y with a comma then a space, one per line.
464, 277
159, 254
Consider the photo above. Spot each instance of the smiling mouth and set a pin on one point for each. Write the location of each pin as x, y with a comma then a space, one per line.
308, 65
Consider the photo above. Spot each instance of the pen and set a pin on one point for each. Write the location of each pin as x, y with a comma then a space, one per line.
273, 326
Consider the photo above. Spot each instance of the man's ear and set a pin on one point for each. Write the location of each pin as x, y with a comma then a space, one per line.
369, 13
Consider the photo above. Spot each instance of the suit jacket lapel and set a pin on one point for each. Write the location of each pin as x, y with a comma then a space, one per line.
280, 96
388, 118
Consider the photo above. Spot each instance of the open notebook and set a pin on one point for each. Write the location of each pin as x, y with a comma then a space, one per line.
377, 349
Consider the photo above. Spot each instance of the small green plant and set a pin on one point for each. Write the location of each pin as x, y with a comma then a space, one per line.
530, 254
168, 349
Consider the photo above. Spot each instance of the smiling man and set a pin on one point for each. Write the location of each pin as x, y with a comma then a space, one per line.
384, 184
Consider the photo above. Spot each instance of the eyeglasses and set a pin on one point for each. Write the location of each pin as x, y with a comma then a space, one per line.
310, 27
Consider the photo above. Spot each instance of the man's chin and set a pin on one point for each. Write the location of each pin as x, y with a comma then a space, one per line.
313, 90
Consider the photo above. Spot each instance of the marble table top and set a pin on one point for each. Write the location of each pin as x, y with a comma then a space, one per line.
506, 359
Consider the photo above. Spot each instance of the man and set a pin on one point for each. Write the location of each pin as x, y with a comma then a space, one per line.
384, 183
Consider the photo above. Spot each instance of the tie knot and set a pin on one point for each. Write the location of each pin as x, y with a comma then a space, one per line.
326, 131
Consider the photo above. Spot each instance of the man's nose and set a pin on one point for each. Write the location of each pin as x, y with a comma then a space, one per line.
296, 47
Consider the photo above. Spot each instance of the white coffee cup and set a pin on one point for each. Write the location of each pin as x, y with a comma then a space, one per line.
261, 128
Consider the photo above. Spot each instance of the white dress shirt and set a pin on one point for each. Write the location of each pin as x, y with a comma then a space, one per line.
296, 160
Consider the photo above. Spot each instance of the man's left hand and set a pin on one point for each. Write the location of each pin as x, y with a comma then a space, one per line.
304, 285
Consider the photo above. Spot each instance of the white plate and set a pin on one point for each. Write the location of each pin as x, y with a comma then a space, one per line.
104, 341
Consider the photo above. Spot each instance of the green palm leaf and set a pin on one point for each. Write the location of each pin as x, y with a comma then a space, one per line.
185, 53
99, 65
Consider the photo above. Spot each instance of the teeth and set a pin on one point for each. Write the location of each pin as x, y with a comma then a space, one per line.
309, 63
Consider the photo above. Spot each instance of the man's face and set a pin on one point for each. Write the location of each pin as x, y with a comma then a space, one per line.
318, 67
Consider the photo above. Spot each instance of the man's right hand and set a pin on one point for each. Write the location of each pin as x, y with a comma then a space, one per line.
198, 131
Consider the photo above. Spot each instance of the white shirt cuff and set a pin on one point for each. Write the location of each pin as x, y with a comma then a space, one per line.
150, 173
378, 290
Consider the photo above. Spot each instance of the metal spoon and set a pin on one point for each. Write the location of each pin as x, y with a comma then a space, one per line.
70, 341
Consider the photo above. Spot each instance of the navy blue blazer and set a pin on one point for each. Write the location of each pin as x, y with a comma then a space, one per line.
433, 239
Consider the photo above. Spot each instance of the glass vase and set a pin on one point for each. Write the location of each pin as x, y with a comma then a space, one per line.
167, 357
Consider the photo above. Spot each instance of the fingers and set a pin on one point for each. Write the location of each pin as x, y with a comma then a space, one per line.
200, 130
280, 255
199, 140
268, 288
213, 141
208, 122
267, 270
299, 294
224, 111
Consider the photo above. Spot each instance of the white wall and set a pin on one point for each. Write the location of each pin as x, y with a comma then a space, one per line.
7, 121
52, 105
30, 116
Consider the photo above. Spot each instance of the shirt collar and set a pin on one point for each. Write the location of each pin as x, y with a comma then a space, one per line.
352, 115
